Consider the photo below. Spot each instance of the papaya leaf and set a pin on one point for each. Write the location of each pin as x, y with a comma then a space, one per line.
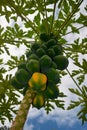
81, 101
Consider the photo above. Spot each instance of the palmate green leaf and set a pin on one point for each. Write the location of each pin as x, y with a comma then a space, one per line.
82, 19
59, 103
48, 106
74, 29
80, 75
69, 18
15, 61
37, 19
75, 91
1, 61
81, 101
81, 79
8, 99
73, 104
82, 114
82, 66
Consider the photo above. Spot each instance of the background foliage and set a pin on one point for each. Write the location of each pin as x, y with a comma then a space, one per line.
25, 21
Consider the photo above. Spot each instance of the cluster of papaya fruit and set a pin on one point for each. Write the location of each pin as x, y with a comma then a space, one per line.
40, 71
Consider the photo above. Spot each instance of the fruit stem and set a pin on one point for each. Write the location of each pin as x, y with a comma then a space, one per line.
53, 16
77, 29
46, 25
74, 80
21, 116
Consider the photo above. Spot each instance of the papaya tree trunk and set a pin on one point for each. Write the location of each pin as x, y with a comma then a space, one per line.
21, 116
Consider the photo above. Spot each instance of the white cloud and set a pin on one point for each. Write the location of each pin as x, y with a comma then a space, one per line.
59, 116
28, 127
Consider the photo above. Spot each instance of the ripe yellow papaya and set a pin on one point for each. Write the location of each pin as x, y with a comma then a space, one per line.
38, 101
38, 81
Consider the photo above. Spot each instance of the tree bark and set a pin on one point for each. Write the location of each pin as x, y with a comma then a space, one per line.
21, 116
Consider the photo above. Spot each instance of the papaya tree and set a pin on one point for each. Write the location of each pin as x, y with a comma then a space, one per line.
42, 28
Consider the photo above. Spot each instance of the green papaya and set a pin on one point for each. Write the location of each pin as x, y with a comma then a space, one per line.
35, 46
53, 65
40, 52
52, 91
51, 52
28, 53
16, 84
38, 101
43, 46
22, 76
44, 37
45, 63
33, 66
61, 62
51, 43
57, 49
53, 75
33, 56
22, 65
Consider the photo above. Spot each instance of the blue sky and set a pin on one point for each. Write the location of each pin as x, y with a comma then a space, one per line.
52, 124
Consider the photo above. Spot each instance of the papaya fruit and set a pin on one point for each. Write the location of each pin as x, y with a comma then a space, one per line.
22, 76
51, 43
38, 81
57, 49
33, 66
44, 37
22, 65
43, 46
53, 75
40, 52
34, 47
38, 101
45, 63
61, 62
28, 53
16, 84
33, 56
52, 91
53, 65
50, 52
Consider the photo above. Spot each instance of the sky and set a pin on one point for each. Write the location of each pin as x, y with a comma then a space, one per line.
57, 119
